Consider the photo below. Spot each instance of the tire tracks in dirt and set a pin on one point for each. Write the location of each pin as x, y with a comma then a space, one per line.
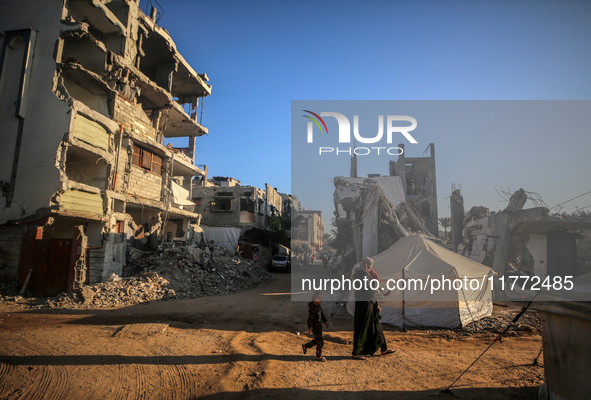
4, 367
51, 382
176, 376
137, 390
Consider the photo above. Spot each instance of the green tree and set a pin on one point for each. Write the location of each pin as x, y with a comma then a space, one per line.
279, 227
341, 236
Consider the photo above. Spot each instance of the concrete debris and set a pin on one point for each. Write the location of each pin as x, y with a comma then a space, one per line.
475, 213
122, 292
172, 272
496, 323
87, 295
517, 201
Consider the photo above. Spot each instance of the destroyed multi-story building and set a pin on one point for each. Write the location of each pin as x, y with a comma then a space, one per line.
419, 179
229, 209
379, 209
90, 93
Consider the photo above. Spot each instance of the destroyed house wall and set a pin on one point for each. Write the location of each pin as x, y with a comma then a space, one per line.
218, 206
480, 242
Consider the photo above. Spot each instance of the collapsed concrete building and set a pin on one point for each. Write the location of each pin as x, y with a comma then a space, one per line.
526, 241
90, 91
382, 209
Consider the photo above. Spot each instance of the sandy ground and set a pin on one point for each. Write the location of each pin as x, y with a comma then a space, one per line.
244, 346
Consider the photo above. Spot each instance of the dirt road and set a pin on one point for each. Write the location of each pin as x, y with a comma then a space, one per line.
243, 346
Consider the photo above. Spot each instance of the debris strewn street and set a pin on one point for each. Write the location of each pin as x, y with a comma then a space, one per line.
226, 347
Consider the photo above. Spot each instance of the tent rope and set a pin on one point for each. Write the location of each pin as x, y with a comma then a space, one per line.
523, 310
539, 354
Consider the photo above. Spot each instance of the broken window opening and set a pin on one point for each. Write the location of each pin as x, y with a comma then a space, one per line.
158, 64
118, 206
260, 207
221, 205
247, 205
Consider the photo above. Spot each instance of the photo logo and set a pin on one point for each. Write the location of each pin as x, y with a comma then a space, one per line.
316, 122
391, 127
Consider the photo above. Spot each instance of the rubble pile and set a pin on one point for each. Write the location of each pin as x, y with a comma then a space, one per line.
196, 272
529, 322
116, 292
173, 272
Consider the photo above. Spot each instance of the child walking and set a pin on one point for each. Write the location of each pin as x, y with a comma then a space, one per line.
315, 319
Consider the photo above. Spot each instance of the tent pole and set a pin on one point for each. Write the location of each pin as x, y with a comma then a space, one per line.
469, 311
403, 305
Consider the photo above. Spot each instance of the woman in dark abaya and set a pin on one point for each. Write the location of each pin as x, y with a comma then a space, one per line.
368, 335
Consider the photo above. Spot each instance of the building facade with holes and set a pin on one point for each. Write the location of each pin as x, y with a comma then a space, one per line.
90, 94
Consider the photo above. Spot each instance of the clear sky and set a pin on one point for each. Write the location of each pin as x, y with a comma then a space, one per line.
261, 55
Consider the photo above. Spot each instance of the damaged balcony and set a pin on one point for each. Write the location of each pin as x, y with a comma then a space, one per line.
103, 23
86, 87
183, 165
164, 112
86, 168
163, 64
164, 67
77, 45
178, 112
181, 124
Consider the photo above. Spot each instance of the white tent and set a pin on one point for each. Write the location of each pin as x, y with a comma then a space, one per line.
417, 262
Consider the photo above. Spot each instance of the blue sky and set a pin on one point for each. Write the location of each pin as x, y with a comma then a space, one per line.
261, 55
